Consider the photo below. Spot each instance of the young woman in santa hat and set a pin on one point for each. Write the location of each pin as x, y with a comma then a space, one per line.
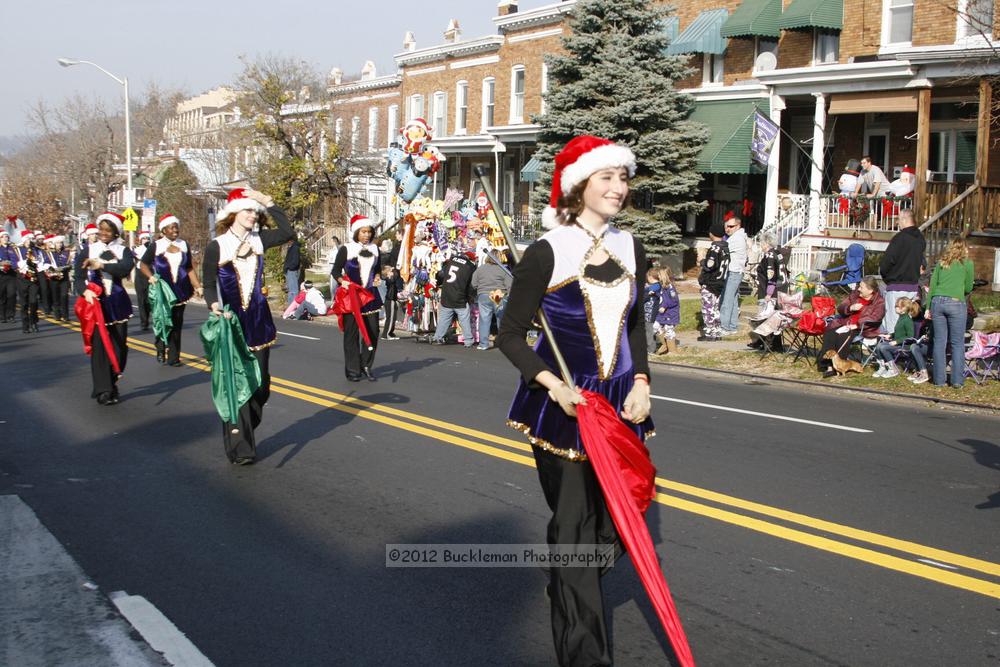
105, 263
582, 275
358, 262
170, 259
233, 275
29, 261
8, 277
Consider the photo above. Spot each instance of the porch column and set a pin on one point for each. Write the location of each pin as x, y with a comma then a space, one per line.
773, 164
923, 154
816, 170
983, 133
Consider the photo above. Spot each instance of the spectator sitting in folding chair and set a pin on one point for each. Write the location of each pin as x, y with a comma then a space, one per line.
889, 345
772, 276
852, 269
861, 315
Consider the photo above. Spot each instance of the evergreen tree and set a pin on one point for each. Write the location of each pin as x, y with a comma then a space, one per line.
617, 81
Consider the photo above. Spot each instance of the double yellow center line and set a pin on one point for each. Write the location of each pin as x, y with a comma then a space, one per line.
911, 558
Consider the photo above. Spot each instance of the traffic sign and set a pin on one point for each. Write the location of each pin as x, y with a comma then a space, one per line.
131, 220
148, 215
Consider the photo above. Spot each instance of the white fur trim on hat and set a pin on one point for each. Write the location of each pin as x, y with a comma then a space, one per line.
168, 220
108, 217
245, 204
360, 222
602, 157
550, 218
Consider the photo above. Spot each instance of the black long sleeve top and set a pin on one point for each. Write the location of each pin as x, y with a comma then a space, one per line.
268, 238
119, 268
531, 279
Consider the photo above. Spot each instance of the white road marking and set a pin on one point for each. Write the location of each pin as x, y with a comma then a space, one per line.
937, 564
158, 631
285, 333
763, 414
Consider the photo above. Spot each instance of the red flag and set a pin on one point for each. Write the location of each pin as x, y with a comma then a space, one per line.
625, 473
92, 317
349, 301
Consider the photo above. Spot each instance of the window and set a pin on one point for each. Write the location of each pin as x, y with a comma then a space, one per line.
898, 22
712, 69
975, 19
953, 155
489, 102
338, 130
355, 131
416, 107
439, 122
372, 128
545, 84
826, 47
461, 107
393, 123
765, 45
517, 94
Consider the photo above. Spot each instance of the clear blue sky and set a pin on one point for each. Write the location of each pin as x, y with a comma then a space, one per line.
195, 45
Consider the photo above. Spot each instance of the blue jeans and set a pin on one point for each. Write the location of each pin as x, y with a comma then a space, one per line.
487, 311
729, 309
948, 316
919, 353
464, 316
292, 282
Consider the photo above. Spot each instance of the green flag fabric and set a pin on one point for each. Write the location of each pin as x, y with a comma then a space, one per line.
235, 373
161, 305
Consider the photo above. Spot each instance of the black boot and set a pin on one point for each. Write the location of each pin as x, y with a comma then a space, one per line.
368, 374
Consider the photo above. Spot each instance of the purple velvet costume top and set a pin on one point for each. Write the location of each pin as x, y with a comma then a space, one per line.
179, 277
239, 283
115, 302
588, 318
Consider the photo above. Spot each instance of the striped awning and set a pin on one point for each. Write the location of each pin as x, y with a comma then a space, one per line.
703, 35
807, 14
754, 18
730, 123
531, 171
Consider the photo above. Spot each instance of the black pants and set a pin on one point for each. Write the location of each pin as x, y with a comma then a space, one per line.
142, 298
27, 295
833, 341
356, 353
391, 312
241, 444
59, 298
173, 344
579, 516
8, 296
104, 376
44, 298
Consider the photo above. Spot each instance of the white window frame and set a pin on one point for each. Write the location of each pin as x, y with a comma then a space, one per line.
411, 108
475, 185
372, 129
515, 99
462, 107
887, 25
439, 114
355, 132
880, 161
393, 124
817, 56
756, 48
489, 116
713, 69
545, 85
964, 30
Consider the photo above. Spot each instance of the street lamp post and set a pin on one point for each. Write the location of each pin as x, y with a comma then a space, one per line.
67, 62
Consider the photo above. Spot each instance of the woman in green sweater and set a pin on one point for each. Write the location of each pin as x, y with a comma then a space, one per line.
951, 284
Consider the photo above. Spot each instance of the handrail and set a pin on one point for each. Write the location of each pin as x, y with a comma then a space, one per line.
949, 206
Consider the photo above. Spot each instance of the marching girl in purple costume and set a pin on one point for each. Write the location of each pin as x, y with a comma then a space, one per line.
582, 274
233, 275
105, 262
358, 262
169, 259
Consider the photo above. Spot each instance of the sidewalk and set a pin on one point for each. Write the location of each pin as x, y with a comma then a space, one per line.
51, 614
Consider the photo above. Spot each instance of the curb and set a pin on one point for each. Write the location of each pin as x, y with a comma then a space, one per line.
859, 390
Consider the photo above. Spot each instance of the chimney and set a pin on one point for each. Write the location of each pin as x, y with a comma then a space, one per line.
336, 76
506, 7
453, 33
368, 71
409, 42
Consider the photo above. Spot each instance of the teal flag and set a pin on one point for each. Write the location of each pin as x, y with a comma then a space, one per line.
235, 373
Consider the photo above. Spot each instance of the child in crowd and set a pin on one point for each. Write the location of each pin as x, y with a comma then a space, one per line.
650, 304
887, 348
668, 314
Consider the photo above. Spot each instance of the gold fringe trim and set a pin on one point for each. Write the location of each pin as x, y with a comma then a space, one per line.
255, 348
545, 445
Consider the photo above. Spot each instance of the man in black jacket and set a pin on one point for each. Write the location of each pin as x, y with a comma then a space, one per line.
901, 266
293, 265
454, 280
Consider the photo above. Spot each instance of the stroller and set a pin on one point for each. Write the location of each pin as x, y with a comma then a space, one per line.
852, 270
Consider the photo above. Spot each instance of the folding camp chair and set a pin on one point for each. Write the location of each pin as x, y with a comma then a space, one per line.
865, 347
806, 337
851, 271
902, 356
982, 359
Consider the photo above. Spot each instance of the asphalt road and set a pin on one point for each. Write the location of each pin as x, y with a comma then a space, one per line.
853, 532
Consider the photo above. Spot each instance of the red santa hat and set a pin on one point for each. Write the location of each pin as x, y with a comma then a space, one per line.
91, 228
115, 220
144, 235
418, 122
239, 201
582, 157
167, 220
39, 232
359, 222
57, 238
27, 236
907, 169
48, 238
4, 232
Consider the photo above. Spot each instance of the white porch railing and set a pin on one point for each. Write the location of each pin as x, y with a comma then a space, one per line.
809, 261
871, 215
791, 221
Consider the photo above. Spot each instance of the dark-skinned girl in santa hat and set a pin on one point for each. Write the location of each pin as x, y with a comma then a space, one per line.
358, 262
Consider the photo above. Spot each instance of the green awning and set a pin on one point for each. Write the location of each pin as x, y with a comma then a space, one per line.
754, 18
703, 35
531, 171
822, 14
730, 124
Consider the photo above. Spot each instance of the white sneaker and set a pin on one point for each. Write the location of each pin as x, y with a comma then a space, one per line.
919, 378
880, 372
891, 372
